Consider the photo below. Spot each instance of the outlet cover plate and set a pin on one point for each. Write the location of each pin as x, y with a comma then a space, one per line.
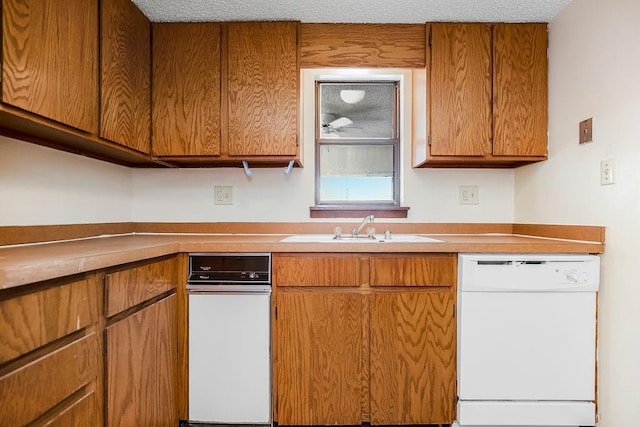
469, 195
223, 195
606, 172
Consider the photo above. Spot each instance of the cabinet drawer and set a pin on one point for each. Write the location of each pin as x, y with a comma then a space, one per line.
29, 391
319, 270
126, 288
83, 412
33, 320
416, 270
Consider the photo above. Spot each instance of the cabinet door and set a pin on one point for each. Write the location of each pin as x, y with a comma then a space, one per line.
520, 89
319, 358
141, 364
412, 357
460, 95
263, 78
125, 35
186, 89
50, 59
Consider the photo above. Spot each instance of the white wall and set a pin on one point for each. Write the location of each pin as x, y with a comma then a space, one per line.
40, 185
593, 72
432, 195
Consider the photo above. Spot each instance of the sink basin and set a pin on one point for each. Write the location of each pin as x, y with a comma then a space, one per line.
379, 238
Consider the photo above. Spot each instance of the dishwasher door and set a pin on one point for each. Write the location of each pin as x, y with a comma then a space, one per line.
230, 357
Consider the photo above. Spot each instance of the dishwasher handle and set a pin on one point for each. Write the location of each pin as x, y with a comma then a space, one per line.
229, 289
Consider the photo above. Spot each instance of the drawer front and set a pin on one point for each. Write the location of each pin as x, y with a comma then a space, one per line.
413, 270
83, 412
29, 391
319, 270
128, 287
33, 320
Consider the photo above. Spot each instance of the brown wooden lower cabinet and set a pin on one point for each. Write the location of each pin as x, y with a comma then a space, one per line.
319, 376
58, 339
379, 349
141, 363
412, 358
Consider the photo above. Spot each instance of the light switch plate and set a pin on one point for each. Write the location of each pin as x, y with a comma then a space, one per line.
469, 195
223, 195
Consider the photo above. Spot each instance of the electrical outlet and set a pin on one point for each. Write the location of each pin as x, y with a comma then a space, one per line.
469, 195
223, 195
606, 172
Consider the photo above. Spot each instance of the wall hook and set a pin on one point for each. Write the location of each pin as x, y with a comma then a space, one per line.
246, 167
287, 170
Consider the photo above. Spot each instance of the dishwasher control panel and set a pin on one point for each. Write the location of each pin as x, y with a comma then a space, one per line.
229, 268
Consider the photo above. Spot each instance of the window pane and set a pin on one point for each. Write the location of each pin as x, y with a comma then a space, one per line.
356, 173
357, 110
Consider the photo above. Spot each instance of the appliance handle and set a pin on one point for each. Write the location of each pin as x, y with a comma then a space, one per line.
228, 289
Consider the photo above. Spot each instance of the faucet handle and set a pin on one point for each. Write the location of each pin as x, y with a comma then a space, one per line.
337, 233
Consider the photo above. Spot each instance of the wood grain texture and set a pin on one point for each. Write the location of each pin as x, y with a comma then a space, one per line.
520, 89
50, 59
413, 270
460, 89
362, 45
141, 366
263, 88
319, 270
183, 338
30, 321
28, 392
133, 285
186, 89
125, 65
82, 412
15, 235
413, 358
320, 342
588, 233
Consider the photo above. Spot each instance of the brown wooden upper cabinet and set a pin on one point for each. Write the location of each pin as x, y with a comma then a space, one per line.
186, 89
125, 42
50, 59
225, 92
263, 78
487, 95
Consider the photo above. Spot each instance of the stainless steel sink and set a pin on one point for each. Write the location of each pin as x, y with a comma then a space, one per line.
378, 238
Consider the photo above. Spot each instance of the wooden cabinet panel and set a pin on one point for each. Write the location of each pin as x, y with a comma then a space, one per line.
125, 35
362, 45
83, 412
50, 59
412, 358
131, 286
520, 89
263, 80
186, 89
33, 320
141, 366
460, 77
29, 391
416, 270
319, 360
319, 270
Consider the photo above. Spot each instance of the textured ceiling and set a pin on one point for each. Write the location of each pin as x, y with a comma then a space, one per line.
356, 11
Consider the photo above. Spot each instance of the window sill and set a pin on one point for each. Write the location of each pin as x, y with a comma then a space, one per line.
337, 211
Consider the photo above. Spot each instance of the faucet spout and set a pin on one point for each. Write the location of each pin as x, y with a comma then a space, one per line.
358, 229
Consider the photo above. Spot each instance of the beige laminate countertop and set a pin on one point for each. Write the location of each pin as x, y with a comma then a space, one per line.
24, 264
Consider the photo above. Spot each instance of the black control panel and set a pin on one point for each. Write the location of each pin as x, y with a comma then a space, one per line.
230, 268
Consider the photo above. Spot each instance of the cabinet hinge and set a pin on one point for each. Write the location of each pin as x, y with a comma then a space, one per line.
429, 140
455, 311
276, 312
297, 141
429, 38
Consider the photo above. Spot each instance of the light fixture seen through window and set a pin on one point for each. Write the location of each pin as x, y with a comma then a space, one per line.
352, 96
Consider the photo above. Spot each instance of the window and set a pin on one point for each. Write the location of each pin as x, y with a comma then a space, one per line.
357, 143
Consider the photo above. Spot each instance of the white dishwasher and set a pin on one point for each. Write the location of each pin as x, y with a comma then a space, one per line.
527, 339
230, 338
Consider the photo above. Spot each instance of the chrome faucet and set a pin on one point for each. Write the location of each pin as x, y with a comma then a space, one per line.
358, 229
